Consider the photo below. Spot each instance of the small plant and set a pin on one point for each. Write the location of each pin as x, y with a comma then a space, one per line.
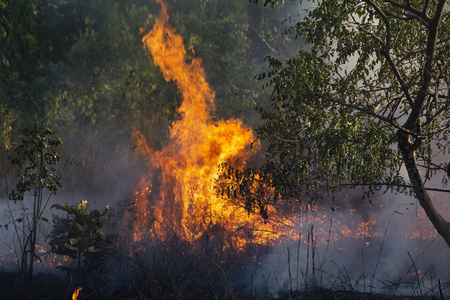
37, 153
78, 234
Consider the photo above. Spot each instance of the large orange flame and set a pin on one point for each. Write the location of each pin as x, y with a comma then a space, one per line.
189, 164
186, 203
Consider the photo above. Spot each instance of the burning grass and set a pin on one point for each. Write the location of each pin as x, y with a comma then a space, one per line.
305, 266
184, 235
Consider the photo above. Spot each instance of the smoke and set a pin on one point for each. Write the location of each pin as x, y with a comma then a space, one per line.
401, 254
98, 165
393, 244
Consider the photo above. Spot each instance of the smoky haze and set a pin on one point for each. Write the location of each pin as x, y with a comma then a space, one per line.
101, 166
401, 254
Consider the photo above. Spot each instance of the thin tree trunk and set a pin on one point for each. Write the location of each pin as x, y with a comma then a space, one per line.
33, 234
409, 157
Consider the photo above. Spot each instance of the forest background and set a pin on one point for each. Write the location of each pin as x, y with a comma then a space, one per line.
79, 68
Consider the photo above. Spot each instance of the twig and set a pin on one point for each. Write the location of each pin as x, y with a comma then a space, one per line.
416, 271
289, 271
230, 290
440, 289
381, 249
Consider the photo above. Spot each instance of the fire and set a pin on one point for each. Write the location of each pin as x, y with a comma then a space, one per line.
187, 203
184, 201
76, 293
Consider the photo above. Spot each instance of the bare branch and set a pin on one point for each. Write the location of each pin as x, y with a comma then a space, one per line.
367, 31
437, 114
425, 8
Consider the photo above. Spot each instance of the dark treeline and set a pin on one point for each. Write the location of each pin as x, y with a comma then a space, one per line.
79, 68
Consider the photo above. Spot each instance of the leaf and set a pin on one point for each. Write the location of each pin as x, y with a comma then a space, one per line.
102, 220
94, 214
78, 229
82, 207
64, 207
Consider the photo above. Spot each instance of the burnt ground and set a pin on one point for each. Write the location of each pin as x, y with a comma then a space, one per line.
323, 294
59, 287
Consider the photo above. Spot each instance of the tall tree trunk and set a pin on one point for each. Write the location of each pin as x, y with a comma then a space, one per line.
409, 156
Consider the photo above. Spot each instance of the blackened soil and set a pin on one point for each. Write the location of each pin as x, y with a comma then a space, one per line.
324, 294
43, 286
46, 286
56, 286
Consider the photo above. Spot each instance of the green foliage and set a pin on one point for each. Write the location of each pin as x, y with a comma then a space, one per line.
315, 145
273, 3
37, 153
366, 97
110, 78
218, 32
78, 233
35, 36
19, 53
18, 42
82, 62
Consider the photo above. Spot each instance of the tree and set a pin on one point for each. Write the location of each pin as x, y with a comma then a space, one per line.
367, 98
6, 121
111, 78
35, 37
37, 153
218, 32
19, 54
78, 234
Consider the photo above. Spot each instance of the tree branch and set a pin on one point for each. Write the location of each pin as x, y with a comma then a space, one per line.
390, 184
371, 113
425, 8
428, 67
437, 114
411, 9
409, 17
387, 49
